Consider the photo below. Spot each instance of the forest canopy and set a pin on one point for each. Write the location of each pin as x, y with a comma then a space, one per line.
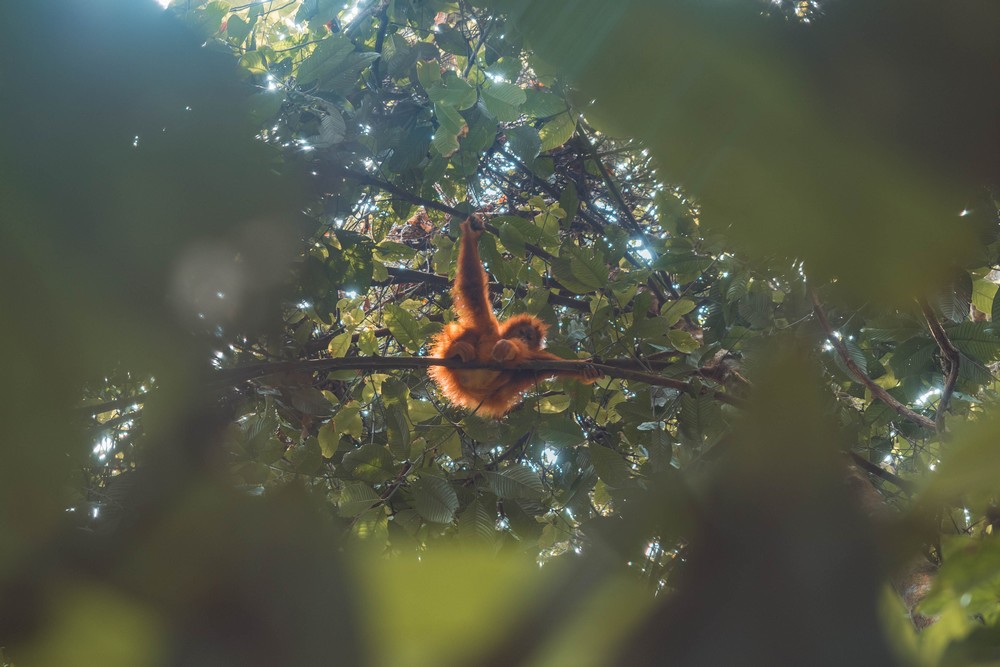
230, 235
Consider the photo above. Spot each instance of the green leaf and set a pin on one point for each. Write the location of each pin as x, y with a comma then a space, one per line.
543, 103
305, 458
610, 466
329, 439
551, 405
398, 56
682, 341
387, 250
556, 132
237, 29
508, 93
255, 63
524, 143
342, 79
352, 264
569, 201
516, 231
434, 499
404, 327
503, 100
259, 426
699, 419
995, 310
370, 463
329, 55
685, 265
973, 371
339, 345
451, 445
516, 481
332, 130
892, 330
421, 410
984, 294
355, 498
318, 12
560, 432
450, 40
856, 354
450, 125
969, 467
452, 91
757, 306
265, 105
408, 520
371, 525
912, 357
580, 270
428, 73
310, 401
968, 573
738, 285
348, 420
477, 524
398, 431
673, 311
955, 298
976, 339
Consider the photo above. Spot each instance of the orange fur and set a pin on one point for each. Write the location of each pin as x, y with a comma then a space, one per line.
478, 336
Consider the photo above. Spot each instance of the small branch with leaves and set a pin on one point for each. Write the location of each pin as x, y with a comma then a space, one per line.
877, 391
950, 360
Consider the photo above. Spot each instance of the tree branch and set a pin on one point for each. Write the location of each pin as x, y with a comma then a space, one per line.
406, 195
950, 360
869, 467
116, 404
617, 368
877, 391
619, 198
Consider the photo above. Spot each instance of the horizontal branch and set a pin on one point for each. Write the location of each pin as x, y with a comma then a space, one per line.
617, 368
116, 404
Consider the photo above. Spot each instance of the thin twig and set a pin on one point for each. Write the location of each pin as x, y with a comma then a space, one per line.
950, 360
406, 195
877, 391
619, 198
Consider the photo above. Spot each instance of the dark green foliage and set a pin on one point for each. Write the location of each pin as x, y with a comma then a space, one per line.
237, 290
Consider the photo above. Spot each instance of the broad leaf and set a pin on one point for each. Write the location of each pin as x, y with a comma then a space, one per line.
610, 466
434, 499
581, 270
556, 132
516, 481
370, 463
330, 55
477, 523
355, 498
404, 327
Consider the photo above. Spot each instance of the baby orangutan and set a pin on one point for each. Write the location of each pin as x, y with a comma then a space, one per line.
478, 336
